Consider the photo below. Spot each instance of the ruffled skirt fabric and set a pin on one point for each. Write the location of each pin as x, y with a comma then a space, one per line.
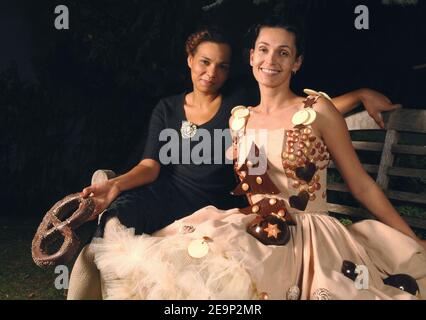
238, 266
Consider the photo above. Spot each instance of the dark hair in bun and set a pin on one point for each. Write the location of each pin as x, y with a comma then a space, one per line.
207, 34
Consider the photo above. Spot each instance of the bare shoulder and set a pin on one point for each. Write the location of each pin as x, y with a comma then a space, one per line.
326, 109
327, 115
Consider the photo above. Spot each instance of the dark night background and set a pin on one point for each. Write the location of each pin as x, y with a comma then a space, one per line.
73, 101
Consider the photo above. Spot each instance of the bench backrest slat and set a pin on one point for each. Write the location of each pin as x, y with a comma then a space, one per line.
397, 122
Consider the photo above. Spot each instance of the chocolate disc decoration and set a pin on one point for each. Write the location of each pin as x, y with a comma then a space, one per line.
237, 124
198, 248
300, 117
311, 92
59, 224
241, 113
325, 95
312, 117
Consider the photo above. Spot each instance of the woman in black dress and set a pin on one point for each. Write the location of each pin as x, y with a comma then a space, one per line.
155, 193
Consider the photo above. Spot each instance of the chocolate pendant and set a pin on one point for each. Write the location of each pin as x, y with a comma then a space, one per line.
270, 230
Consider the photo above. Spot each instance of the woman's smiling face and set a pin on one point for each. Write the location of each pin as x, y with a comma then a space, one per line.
210, 66
274, 57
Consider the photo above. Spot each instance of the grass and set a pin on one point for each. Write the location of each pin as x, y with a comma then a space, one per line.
20, 277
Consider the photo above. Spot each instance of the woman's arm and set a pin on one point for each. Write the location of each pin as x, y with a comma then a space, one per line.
374, 102
145, 172
362, 186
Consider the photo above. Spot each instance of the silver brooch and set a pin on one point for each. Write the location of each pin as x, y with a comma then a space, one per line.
188, 129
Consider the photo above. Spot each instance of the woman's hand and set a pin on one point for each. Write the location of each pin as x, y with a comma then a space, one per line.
375, 102
103, 194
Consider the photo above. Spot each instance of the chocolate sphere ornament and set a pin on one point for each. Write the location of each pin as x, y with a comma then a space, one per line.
263, 296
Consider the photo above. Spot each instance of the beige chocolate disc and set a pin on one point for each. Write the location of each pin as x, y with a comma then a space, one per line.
235, 109
198, 248
311, 92
325, 95
238, 123
241, 113
312, 116
300, 117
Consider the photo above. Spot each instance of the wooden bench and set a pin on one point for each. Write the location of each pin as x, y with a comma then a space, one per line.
398, 123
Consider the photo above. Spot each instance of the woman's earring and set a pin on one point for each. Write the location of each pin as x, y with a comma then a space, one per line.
293, 72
